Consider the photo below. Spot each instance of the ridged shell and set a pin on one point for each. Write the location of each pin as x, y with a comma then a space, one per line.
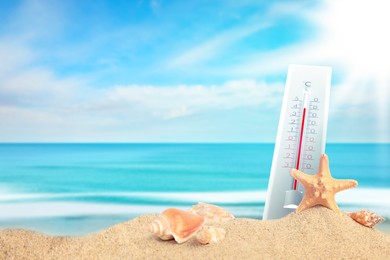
366, 217
212, 213
210, 234
160, 227
178, 224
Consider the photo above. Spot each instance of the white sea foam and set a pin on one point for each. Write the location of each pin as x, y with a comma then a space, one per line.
35, 205
366, 196
352, 196
71, 209
216, 197
12, 211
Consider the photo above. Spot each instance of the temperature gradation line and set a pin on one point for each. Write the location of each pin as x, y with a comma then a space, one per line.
305, 98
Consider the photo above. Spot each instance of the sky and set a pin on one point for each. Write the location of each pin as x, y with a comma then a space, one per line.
186, 71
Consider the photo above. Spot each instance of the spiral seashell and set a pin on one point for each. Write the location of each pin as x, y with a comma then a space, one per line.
366, 217
178, 224
160, 227
210, 234
212, 213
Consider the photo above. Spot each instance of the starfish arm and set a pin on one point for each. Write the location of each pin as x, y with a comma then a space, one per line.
306, 203
324, 166
303, 178
331, 204
344, 185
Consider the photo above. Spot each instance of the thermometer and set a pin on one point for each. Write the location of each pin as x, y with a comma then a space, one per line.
301, 136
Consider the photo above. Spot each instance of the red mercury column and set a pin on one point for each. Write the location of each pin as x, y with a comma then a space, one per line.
305, 99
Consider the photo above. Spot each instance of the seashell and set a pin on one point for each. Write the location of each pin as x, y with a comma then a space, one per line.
178, 224
212, 213
366, 217
210, 234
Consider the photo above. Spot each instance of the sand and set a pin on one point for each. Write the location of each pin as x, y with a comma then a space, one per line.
316, 233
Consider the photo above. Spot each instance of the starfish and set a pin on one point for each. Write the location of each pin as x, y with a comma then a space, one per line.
321, 188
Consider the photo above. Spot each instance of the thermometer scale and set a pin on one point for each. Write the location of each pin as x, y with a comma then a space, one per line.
301, 136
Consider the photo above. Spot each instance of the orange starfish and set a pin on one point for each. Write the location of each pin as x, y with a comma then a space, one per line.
321, 188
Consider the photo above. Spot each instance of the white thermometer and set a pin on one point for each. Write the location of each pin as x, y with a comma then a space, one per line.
301, 136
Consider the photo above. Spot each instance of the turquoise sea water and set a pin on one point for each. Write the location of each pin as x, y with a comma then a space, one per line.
82, 188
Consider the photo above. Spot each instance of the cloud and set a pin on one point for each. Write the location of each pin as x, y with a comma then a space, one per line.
37, 105
168, 102
14, 55
221, 42
39, 90
36, 87
214, 46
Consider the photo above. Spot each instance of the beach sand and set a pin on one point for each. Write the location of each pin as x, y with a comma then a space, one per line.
316, 233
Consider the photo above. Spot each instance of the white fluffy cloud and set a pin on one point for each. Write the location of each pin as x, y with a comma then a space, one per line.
167, 102
38, 105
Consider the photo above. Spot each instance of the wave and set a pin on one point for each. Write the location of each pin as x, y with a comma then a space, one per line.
352, 196
240, 203
70, 209
215, 197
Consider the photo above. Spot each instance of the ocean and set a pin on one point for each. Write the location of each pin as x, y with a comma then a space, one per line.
76, 189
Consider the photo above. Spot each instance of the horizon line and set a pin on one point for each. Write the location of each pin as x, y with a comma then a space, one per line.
245, 142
